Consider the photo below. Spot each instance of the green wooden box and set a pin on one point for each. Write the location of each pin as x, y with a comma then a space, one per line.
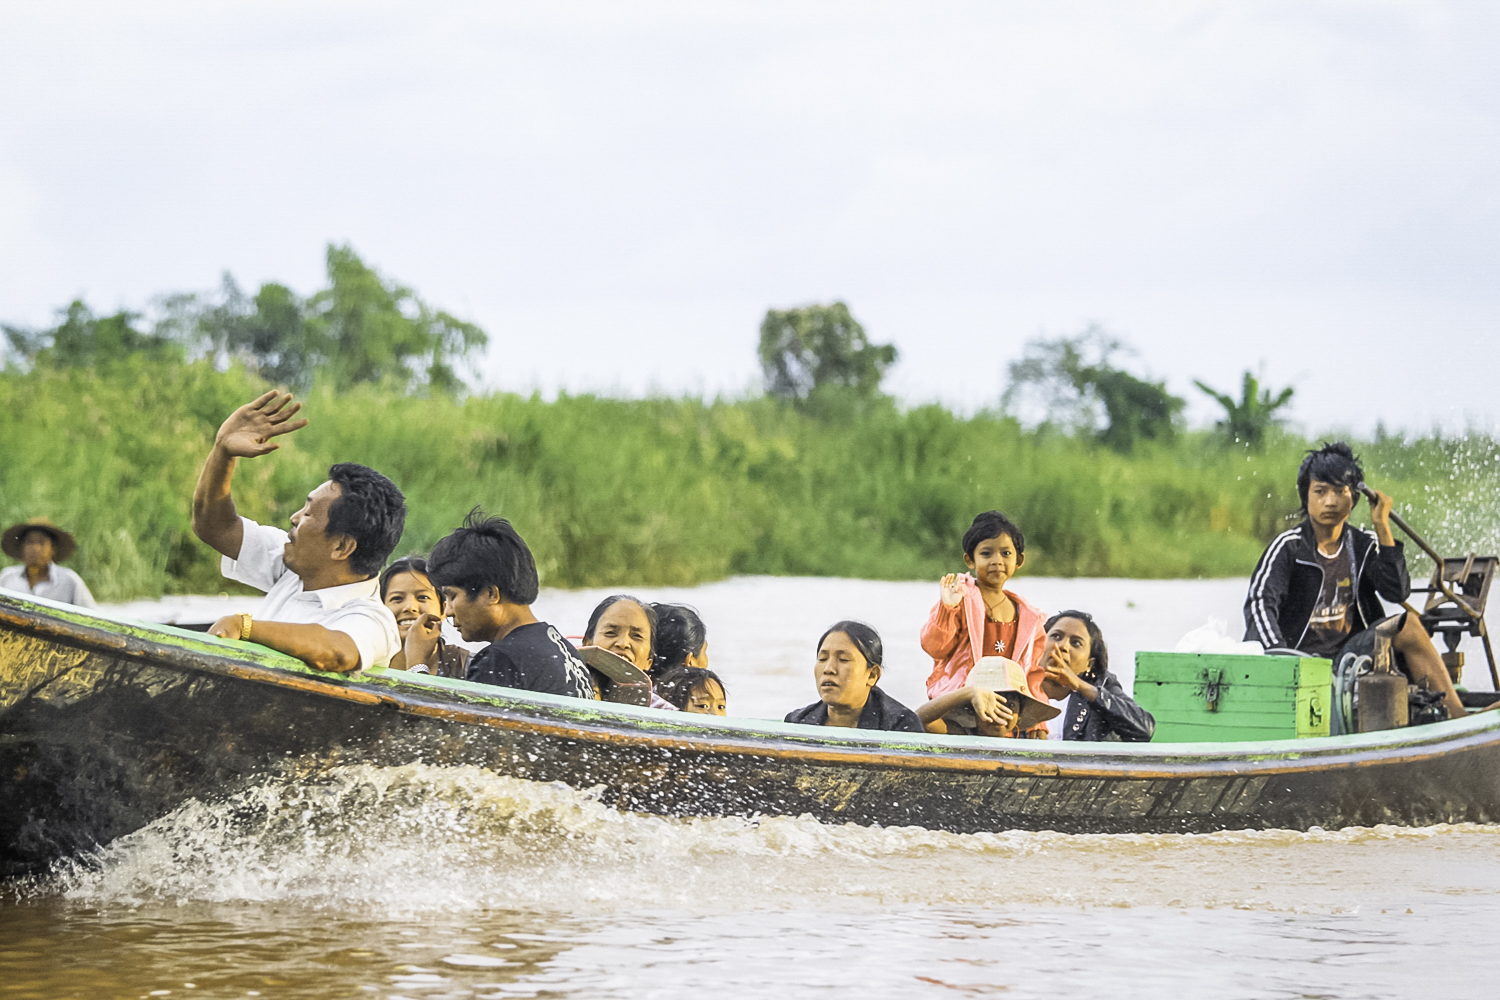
1218, 698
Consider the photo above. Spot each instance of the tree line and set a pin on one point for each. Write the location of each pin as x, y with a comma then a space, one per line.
820, 359
362, 329
366, 329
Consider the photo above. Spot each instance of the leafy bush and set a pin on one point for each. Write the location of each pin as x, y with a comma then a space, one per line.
678, 491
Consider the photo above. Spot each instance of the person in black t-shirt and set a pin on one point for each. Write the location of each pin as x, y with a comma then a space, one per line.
488, 577
846, 672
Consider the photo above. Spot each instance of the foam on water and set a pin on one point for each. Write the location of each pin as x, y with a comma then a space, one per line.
419, 838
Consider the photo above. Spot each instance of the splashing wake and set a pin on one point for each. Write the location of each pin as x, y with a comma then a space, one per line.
418, 838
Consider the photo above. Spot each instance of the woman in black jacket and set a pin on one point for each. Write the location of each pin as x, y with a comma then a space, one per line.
846, 672
1077, 663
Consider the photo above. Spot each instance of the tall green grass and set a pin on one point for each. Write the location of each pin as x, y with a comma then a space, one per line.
678, 491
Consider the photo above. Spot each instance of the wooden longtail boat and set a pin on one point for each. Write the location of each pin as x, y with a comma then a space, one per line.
107, 724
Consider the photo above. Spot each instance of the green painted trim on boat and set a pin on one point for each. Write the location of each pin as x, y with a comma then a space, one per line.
687, 726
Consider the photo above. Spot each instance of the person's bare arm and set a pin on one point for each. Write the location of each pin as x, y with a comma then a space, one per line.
318, 647
246, 434
1380, 518
942, 705
986, 704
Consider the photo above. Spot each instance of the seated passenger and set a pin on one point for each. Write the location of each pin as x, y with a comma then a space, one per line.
1092, 701
846, 672
693, 689
488, 577
1317, 587
322, 601
681, 638
976, 616
995, 702
626, 626
419, 608
41, 545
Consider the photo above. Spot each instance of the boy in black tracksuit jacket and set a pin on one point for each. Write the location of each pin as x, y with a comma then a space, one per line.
1318, 585
1286, 581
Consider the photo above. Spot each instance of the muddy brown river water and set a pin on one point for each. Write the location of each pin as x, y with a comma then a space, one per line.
426, 882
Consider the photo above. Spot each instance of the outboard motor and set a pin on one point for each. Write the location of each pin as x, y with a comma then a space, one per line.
1369, 693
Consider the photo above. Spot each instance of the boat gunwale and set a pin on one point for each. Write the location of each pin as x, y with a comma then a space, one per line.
632, 726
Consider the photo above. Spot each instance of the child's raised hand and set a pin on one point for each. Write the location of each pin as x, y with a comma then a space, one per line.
950, 590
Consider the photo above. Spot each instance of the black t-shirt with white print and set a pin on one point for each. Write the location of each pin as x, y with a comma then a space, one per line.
1330, 624
533, 657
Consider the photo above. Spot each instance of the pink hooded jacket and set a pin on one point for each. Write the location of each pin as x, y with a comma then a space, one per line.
943, 640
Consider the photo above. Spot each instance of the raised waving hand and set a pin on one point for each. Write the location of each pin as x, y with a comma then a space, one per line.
246, 434
249, 430
951, 591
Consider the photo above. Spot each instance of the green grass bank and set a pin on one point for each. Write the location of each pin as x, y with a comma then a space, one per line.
679, 491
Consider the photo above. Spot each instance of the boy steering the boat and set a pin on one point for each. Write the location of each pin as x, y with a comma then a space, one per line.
321, 578
1318, 586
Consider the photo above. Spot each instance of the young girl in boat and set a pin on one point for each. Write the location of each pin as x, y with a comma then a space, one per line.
975, 615
1092, 701
680, 673
407, 590
846, 672
694, 690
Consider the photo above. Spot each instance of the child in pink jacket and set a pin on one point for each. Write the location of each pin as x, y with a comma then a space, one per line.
976, 616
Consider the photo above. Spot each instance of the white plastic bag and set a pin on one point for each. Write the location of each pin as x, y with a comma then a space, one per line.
1214, 637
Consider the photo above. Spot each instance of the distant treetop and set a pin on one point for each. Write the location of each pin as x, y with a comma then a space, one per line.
807, 349
1072, 378
362, 328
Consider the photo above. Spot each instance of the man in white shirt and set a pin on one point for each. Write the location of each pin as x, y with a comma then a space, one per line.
41, 545
321, 579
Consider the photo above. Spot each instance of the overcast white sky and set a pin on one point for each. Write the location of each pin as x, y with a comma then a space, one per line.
617, 192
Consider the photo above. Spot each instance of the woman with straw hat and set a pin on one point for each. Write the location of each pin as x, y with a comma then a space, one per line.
41, 545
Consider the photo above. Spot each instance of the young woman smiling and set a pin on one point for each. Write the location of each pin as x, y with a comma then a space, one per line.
846, 672
406, 589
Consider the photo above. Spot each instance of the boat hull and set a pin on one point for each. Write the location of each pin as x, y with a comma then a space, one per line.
106, 725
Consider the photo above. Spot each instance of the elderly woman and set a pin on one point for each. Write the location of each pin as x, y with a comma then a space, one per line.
626, 626
846, 672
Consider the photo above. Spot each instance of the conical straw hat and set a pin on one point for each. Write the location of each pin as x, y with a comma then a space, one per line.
1004, 675
62, 542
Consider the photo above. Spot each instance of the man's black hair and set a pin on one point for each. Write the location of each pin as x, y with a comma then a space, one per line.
647, 609
372, 511
1334, 464
679, 633
1099, 666
485, 552
992, 524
